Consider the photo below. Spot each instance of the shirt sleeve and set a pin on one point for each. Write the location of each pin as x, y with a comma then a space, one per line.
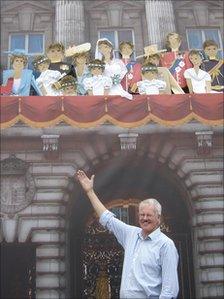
187, 74
161, 84
117, 227
141, 87
169, 262
88, 84
207, 77
35, 86
56, 75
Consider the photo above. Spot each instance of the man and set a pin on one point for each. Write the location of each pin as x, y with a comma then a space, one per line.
150, 259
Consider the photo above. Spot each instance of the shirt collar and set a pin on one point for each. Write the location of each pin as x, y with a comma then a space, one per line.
151, 236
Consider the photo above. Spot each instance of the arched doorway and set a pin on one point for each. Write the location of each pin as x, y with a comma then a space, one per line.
121, 184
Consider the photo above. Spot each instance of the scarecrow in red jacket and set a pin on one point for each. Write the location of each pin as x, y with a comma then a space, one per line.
134, 69
175, 60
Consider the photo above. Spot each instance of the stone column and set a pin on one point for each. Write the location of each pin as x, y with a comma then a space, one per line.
69, 22
160, 20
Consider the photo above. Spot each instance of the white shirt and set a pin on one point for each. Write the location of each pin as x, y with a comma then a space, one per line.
97, 84
116, 70
199, 80
16, 85
151, 86
46, 79
150, 264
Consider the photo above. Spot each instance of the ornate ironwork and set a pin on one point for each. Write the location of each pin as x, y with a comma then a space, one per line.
102, 260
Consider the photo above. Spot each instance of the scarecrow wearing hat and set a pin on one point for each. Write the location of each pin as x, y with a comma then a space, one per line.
134, 68
175, 60
23, 78
80, 57
67, 85
152, 55
47, 77
150, 83
213, 65
97, 84
55, 53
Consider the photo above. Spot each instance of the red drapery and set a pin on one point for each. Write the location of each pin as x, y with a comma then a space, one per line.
90, 111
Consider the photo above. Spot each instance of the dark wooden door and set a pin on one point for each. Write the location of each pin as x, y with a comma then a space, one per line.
18, 268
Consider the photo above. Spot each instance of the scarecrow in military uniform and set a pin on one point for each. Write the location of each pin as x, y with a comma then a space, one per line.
134, 68
213, 65
55, 52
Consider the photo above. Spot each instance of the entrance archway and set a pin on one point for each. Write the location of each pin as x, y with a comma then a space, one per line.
96, 257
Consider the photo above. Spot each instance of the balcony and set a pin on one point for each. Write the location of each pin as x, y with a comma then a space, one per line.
93, 111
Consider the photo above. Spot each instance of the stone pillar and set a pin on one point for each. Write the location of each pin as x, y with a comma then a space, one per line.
160, 20
69, 22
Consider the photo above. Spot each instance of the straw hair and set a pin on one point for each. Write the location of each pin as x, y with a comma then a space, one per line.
24, 57
56, 45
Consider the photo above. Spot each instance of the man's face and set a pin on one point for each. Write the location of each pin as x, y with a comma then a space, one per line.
195, 59
126, 50
96, 71
211, 51
149, 220
55, 55
18, 63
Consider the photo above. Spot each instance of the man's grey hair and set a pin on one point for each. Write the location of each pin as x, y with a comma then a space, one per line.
152, 202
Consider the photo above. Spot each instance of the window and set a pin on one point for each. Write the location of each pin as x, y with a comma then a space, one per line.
32, 43
197, 36
121, 213
116, 37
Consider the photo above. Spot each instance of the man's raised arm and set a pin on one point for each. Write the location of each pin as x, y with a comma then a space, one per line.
87, 185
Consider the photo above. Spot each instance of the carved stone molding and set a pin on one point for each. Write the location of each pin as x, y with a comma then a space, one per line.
128, 141
204, 142
17, 185
50, 146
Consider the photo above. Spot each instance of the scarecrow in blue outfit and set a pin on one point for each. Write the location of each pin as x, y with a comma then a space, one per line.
23, 79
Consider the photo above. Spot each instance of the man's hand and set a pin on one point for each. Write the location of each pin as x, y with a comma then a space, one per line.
85, 182
87, 185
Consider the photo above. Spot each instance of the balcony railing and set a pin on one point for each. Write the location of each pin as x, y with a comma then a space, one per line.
92, 111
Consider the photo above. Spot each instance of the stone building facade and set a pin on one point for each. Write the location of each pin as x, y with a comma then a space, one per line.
41, 204
74, 22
